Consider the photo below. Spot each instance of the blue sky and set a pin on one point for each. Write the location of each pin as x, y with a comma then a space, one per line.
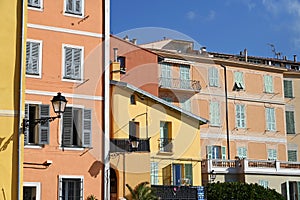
225, 26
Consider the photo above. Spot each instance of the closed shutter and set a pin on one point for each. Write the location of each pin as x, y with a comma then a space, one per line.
292, 155
69, 6
268, 81
209, 152
67, 133
87, 128
77, 63
154, 173
26, 125
166, 173
223, 149
288, 88
78, 7
32, 57
188, 171
211, 77
68, 63
214, 113
290, 122
238, 77
132, 129
44, 127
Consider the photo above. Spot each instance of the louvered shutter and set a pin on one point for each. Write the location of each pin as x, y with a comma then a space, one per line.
35, 57
288, 89
132, 129
166, 173
223, 149
298, 190
188, 171
27, 56
44, 127
210, 77
209, 152
290, 122
87, 128
68, 63
77, 63
26, 128
69, 6
78, 7
67, 133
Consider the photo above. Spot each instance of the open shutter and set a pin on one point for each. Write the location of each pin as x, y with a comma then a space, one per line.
223, 149
210, 77
67, 133
166, 173
26, 128
78, 6
290, 123
60, 189
44, 127
188, 171
87, 128
27, 56
209, 152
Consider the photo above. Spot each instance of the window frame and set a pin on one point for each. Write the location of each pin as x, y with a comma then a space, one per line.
272, 154
72, 79
154, 179
268, 84
288, 155
210, 152
288, 92
40, 56
165, 129
74, 14
37, 185
242, 152
60, 183
241, 110
33, 7
213, 77
239, 79
270, 119
290, 115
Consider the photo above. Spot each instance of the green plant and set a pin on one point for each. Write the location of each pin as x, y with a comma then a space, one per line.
240, 191
91, 197
142, 192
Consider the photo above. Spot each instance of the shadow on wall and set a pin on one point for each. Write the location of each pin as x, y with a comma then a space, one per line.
6, 143
95, 169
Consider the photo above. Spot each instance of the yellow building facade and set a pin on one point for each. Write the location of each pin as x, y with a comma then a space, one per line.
11, 101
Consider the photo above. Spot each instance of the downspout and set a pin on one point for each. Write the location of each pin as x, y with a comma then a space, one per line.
106, 118
20, 117
226, 112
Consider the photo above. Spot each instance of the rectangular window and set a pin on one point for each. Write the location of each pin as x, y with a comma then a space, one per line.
166, 75
288, 88
184, 77
213, 77
33, 57
272, 154
214, 110
178, 174
165, 141
34, 3
185, 104
290, 122
35, 133
154, 173
134, 129
74, 7
263, 183
242, 152
238, 81
268, 84
216, 152
77, 127
73, 63
292, 155
270, 119
240, 116
70, 188
31, 190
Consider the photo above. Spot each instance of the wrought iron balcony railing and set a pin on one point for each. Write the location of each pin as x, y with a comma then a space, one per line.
165, 145
180, 84
123, 145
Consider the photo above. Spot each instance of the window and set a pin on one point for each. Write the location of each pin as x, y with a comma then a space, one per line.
270, 119
185, 104
134, 129
31, 190
33, 57
213, 77
132, 99
238, 81
70, 188
290, 122
73, 63
268, 84
166, 75
272, 154
242, 152
240, 116
36, 133
154, 173
216, 152
165, 141
263, 183
74, 7
77, 127
122, 61
178, 174
292, 155
214, 110
34, 3
184, 77
288, 88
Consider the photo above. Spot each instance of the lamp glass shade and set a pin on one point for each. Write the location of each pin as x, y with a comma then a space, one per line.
134, 144
59, 103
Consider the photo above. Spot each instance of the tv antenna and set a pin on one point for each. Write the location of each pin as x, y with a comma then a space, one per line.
276, 54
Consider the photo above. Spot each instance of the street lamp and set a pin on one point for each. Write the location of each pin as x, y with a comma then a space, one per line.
59, 103
133, 143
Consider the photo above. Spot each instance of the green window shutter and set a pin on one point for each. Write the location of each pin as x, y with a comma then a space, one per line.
240, 116
213, 77
214, 113
188, 171
290, 122
26, 128
154, 173
87, 128
238, 78
223, 149
209, 152
288, 88
270, 119
298, 189
77, 63
67, 132
268, 82
242, 152
44, 127
292, 155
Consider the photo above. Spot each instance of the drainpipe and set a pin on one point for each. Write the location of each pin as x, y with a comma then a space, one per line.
226, 112
20, 117
106, 114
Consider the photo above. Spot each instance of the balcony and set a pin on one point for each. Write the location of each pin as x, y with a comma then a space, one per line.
165, 145
178, 84
123, 145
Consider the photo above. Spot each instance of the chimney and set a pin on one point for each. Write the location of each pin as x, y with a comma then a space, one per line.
115, 54
295, 58
126, 38
246, 55
134, 41
115, 67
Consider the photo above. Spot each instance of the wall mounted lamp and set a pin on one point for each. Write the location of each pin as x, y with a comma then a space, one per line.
59, 103
212, 175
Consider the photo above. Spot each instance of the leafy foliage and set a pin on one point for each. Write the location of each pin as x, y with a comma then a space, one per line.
240, 191
142, 192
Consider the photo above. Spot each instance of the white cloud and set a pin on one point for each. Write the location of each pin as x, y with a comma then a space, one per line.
191, 15
211, 15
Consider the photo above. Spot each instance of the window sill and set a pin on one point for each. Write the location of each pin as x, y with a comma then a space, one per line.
70, 14
75, 148
33, 146
165, 153
215, 126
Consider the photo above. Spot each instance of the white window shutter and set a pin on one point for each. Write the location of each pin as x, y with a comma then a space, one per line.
77, 63
67, 133
223, 149
68, 62
87, 128
26, 128
60, 185
44, 127
209, 152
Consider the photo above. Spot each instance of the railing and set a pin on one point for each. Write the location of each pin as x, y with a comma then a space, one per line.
261, 164
123, 145
168, 192
223, 163
165, 145
173, 83
290, 165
